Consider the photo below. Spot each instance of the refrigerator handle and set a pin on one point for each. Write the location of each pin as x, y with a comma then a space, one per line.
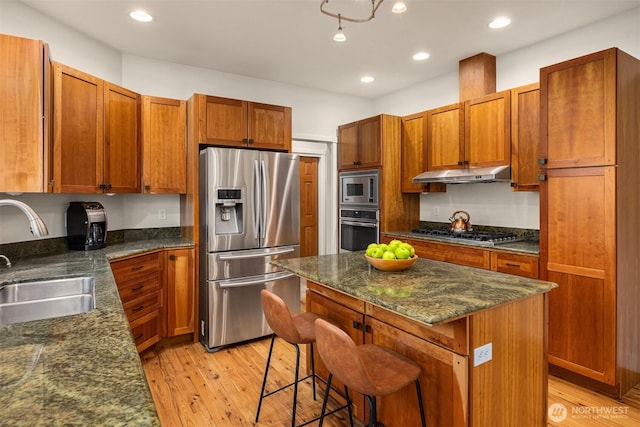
233, 256
256, 199
265, 199
255, 281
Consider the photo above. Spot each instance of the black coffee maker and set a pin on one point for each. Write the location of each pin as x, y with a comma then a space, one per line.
86, 226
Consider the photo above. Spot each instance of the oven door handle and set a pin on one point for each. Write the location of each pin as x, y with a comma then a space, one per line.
360, 224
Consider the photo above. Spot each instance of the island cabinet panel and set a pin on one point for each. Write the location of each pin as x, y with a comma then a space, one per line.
525, 131
24, 114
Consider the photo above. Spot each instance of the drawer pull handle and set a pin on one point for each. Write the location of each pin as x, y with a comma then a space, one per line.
138, 337
508, 264
137, 268
137, 288
138, 308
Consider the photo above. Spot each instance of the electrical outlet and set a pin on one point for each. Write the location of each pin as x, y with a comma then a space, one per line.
436, 211
482, 354
162, 213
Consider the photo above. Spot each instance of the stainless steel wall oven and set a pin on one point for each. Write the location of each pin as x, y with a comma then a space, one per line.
358, 228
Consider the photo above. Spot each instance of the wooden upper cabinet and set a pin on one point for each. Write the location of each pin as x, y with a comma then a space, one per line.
487, 130
578, 99
445, 137
360, 144
525, 131
413, 154
164, 141
121, 148
96, 135
237, 123
24, 101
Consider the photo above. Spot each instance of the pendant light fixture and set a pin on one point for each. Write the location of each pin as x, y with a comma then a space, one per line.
398, 7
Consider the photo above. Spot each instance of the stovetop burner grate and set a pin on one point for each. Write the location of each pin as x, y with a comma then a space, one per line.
485, 237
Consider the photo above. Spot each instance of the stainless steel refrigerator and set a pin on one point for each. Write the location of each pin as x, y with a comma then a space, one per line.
249, 215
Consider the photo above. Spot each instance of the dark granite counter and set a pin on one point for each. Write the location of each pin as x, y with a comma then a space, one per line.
82, 369
430, 291
528, 247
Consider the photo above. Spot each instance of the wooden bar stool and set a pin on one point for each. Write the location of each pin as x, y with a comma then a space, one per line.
295, 329
368, 369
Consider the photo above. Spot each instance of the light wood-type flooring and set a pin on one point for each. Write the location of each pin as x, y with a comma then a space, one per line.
191, 387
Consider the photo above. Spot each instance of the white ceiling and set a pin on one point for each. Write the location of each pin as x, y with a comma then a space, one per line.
290, 41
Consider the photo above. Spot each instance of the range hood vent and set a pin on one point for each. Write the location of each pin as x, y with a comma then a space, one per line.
465, 176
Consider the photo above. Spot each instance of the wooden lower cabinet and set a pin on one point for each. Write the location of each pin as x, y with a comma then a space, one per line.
510, 389
519, 265
180, 295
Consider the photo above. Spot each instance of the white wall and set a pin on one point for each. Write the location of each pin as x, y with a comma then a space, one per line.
495, 204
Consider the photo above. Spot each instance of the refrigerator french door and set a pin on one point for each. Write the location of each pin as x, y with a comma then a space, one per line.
249, 216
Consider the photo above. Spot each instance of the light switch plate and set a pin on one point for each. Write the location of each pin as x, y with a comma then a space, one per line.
482, 354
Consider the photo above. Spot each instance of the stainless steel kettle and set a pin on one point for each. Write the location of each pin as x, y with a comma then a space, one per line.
459, 224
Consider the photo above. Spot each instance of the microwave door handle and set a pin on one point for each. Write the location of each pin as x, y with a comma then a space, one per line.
265, 200
256, 199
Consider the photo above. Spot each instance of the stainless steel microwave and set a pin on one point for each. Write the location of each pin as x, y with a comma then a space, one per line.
359, 188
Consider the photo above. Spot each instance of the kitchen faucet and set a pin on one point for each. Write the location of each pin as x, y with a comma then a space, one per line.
38, 228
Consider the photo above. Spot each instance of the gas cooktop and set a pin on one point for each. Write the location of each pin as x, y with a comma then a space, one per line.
481, 238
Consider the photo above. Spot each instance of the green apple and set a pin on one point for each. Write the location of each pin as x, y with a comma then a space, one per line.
369, 251
383, 246
372, 245
403, 253
395, 242
412, 251
377, 252
388, 255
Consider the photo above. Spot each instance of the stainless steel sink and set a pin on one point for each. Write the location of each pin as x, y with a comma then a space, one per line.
46, 299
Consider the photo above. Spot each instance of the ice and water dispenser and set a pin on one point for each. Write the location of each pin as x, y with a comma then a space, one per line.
86, 226
228, 211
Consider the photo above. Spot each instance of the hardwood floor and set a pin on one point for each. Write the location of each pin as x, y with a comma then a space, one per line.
191, 387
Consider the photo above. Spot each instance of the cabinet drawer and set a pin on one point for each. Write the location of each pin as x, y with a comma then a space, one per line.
138, 307
137, 266
520, 265
146, 330
455, 254
136, 288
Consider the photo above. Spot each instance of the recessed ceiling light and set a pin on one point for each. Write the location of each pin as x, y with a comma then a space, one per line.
421, 56
366, 79
500, 22
141, 15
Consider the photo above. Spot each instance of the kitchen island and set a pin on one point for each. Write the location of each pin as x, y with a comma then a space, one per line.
480, 336
82, 369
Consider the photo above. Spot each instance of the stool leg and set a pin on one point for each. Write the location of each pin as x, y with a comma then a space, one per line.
346, 394
295, 386
264, 380
325, 399
420, 405
373, 410
313, 372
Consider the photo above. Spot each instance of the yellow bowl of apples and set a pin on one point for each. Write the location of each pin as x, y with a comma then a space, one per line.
393, 256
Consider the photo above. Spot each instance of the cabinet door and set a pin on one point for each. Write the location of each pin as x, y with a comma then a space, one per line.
370, 142
345, 318
443, 381
578, 99
525, 131
180, 291
445, 137
165, 145
225, 122
269, 127
78, 131
121, 140
487, 130
348, 146
455, 254
519, 265
413, 149
578, 251
22, 163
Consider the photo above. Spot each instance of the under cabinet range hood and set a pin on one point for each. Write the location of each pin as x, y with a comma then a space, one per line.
466, 176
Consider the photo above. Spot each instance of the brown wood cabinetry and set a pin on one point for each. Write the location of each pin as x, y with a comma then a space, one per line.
519, 265
24, 114
525, 131
238, 123
140, 284
413, 154
164, 141
455, 391
487, 130
181, 288
360, 143
445, 137
96, 134
589, 142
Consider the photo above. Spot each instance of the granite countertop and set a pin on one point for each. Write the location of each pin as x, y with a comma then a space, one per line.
430, 291
528, 247
82, 369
